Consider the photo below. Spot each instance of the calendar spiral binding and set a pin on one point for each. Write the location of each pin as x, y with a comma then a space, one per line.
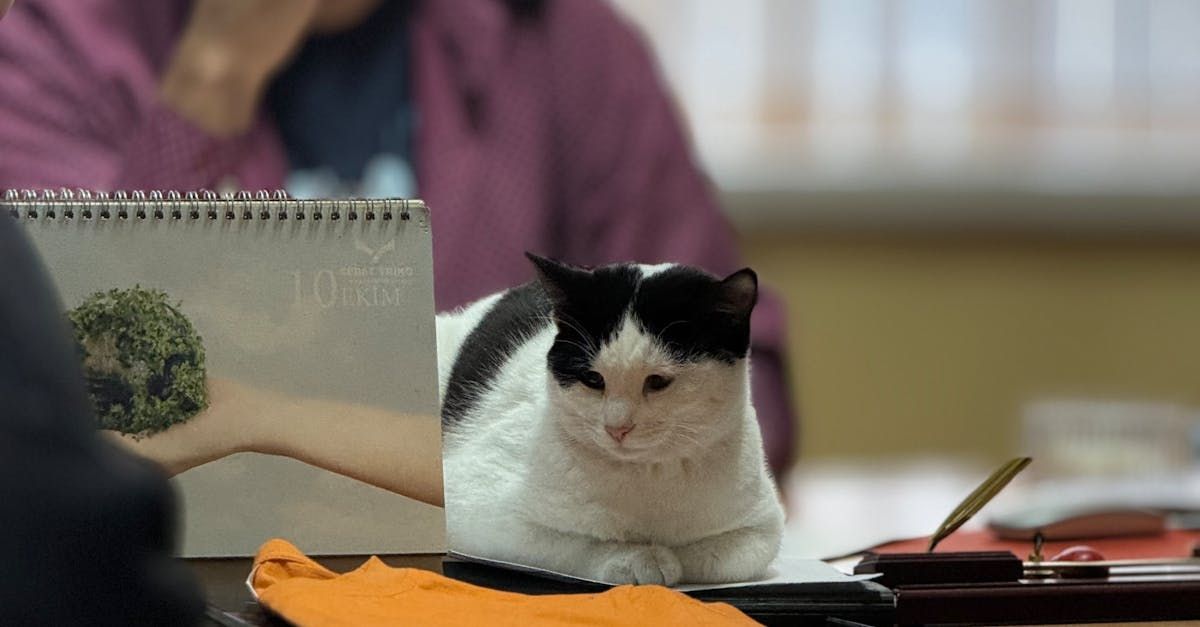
82, 204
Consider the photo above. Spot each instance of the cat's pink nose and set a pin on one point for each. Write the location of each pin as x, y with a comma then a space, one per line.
619, 432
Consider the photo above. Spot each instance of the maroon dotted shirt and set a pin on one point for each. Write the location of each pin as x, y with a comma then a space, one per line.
551, 134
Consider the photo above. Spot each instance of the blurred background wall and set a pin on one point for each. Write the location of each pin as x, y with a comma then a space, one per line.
968, 205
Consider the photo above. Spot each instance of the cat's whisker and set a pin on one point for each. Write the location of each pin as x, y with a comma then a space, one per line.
664, 329
586, 349
684, 437
574, 325
679, 435
683, 426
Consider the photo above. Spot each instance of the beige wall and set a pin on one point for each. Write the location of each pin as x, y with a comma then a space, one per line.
908, 343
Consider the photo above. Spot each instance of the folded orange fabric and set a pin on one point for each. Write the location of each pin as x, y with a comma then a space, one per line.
308, 594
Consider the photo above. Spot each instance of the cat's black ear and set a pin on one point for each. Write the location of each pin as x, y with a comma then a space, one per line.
560, 280
738, 293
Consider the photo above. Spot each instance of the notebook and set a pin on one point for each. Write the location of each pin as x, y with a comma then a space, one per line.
277, 356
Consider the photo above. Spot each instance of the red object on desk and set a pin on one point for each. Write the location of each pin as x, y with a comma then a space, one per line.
1052, 601
1172, 544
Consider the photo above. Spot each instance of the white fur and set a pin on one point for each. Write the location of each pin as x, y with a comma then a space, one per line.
452, 329
649, 271
532, 477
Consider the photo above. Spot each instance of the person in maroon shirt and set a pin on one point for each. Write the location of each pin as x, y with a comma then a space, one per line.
538, 125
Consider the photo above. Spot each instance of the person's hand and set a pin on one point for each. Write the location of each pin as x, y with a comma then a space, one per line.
227, 54
230, 424
5, 5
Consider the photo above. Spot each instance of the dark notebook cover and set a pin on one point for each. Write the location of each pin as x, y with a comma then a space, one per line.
854, 602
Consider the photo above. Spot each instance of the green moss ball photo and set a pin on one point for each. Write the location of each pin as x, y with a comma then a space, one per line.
142, 359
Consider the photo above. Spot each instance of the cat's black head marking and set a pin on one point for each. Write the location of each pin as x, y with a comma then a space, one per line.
694, 314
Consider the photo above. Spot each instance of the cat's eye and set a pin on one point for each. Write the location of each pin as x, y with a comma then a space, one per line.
592, 379
657, 382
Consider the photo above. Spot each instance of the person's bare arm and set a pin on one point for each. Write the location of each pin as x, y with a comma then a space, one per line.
230, 50
396, 452
226, 56
122, 120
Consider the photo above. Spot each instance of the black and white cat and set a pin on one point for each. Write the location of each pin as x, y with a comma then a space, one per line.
598, 423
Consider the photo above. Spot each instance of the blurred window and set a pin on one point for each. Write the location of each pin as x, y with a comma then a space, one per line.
1057, 96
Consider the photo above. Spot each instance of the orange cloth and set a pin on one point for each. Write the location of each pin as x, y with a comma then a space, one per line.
308, 594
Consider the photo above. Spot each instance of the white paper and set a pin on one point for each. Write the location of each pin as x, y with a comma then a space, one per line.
785, 570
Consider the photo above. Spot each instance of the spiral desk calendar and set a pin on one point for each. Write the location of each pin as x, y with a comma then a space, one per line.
276, 356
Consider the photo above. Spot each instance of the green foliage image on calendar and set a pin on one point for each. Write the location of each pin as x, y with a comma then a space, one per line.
142, 359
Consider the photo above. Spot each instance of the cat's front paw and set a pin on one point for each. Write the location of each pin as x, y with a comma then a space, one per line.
739, 555
642, 564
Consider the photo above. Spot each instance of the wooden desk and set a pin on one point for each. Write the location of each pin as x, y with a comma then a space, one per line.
870, 604
224, 583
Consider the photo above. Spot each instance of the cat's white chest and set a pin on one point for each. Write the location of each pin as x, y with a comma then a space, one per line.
668, 508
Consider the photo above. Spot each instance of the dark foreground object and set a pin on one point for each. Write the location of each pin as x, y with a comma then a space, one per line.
88, 529
858, 603
996, 588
